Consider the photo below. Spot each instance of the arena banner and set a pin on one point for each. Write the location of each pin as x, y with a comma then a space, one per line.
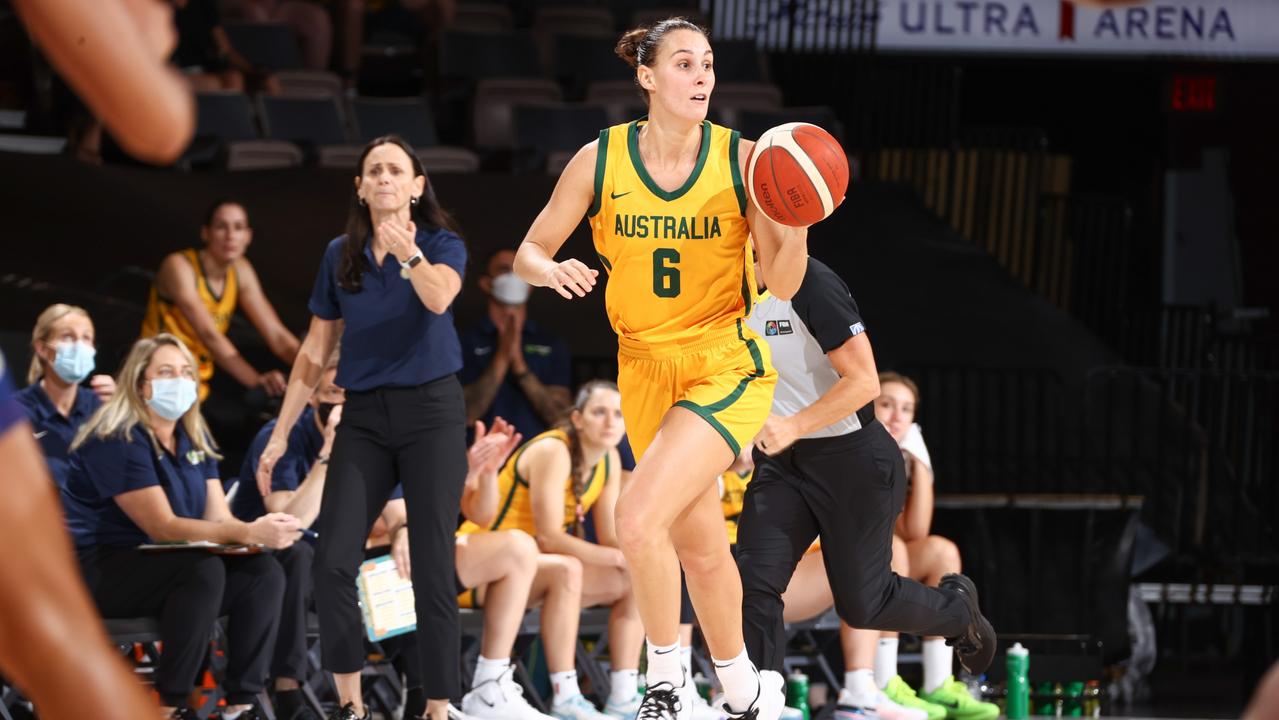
1225, 29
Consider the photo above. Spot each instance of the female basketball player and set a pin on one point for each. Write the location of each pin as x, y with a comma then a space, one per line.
668, 212
197, 290
546, 489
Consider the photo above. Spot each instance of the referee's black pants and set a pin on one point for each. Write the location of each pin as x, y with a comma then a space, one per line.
415, 436
187, 591
848, 490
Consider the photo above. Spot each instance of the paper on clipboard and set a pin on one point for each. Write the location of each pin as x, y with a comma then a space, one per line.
386, 599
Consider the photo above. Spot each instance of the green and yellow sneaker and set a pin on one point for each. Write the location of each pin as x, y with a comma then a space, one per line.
899, 692
958, 703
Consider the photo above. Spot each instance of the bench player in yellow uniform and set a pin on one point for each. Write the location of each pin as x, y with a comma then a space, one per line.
669, 215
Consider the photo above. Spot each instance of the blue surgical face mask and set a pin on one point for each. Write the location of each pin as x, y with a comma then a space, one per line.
74, 361
172, 397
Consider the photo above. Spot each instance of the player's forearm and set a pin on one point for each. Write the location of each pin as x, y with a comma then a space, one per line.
532, 263
480, 505
549, 404
480, 394
561, 543
785, 261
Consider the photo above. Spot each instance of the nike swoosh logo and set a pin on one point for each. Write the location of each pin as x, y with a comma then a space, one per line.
41, 434
615, 196
664, 652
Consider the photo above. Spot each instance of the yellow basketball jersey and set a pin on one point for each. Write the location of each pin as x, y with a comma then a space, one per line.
731, 495
678, 262
515, 511
163, 316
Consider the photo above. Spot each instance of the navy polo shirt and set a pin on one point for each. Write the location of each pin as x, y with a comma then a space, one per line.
547, 357
305, 441
10, 411
102, 469
53, 431
390, 338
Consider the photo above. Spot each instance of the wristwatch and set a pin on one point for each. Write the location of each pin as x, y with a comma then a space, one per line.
413, 261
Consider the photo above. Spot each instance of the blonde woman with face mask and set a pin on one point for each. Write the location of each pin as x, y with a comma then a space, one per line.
62, 391
144, 470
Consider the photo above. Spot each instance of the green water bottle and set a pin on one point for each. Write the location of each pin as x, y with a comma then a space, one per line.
1074, 706
1017, 661
797, 693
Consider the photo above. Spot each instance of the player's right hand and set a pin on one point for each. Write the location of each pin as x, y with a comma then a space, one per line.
275, 530
570, 277
271, 454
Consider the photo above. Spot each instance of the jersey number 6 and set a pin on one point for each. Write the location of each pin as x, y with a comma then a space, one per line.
665, 276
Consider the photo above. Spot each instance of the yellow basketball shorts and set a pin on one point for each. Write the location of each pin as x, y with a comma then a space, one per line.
725, 376
469, 599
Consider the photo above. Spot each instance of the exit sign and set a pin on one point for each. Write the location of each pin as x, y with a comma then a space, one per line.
1193, 93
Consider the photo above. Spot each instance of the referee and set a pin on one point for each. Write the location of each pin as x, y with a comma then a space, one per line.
825, 467
387, 287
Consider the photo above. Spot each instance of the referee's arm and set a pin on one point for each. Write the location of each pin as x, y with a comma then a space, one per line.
858, 384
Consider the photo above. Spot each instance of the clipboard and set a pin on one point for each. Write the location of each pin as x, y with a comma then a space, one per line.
386, 599
205, 545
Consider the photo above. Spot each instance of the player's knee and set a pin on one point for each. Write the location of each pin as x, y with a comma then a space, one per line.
566, 573
703, 561
521, 548
945, 554
635, 532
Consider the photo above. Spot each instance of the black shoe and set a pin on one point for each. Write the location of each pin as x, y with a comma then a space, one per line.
976, 647
661, 702
347, 712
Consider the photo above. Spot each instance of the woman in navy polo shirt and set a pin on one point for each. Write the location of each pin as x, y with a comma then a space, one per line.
56, 401
144, 469
387, 287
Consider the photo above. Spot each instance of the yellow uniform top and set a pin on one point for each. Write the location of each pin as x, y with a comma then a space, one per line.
163, 316
516, 509
679, 262
732, 492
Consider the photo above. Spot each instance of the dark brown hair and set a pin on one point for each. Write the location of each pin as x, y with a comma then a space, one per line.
639, 46
427, 214
584, 394
217, 205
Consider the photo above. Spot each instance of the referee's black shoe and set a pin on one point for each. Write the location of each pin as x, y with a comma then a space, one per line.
976, 646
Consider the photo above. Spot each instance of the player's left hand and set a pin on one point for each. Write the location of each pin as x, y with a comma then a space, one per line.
777, 434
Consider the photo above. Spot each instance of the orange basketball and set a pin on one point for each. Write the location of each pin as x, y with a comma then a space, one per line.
797, 174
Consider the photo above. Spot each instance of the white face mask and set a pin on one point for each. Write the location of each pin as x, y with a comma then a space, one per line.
509, 289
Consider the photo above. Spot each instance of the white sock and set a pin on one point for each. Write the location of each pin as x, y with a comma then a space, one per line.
564, 684
885, 661
860, 684
664, 665
740, 681
686, 659
624, 686
938, 663
486, 669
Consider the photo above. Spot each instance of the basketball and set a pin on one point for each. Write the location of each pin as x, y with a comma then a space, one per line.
797, 174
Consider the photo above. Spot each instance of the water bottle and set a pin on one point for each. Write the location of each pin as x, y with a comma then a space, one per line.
797, 693
1018, 666
1074, 706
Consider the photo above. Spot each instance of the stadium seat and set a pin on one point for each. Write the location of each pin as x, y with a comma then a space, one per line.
654, 15
576, 61
469, 56
494, 101
309, 83
409, 117
544, 129
268, 45
446, 159
224, 115
309, 122
483, 18
568, 20
731, 98
739, 61
262, 155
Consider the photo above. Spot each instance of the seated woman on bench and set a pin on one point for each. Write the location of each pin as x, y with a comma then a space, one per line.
545, 490
144, 469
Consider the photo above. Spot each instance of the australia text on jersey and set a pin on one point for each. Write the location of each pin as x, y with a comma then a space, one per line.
667, 227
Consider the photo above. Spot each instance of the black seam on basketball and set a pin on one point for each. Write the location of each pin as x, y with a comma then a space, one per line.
772, 170
838, 151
